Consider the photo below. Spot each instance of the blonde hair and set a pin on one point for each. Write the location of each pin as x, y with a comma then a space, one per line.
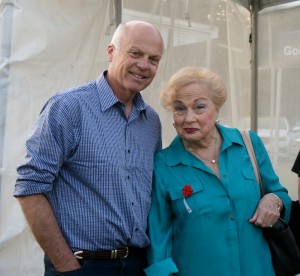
190, 75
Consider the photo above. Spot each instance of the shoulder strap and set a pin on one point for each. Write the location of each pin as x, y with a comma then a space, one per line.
248, 143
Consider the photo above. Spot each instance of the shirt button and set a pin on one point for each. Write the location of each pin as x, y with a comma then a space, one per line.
231, 217
128, 177
224, 175
132, 203
128, 151
136, 229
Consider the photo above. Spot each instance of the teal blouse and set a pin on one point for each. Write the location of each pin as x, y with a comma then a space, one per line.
207, 233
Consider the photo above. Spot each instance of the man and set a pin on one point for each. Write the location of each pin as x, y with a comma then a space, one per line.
295, 209
85, 184
296, 169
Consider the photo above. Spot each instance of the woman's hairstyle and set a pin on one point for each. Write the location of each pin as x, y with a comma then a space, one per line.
190, 75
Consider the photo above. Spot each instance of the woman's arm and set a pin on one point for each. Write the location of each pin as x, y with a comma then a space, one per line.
160, 231
276, 201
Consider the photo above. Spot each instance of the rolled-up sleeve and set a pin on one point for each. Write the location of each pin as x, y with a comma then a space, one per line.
163, 268
49, 143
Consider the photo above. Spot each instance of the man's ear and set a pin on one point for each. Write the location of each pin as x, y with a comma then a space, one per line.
110, 51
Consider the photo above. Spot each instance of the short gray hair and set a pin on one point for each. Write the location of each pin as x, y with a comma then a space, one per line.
116, 39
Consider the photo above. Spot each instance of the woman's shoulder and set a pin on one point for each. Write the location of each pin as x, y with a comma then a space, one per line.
171, 152
236, 132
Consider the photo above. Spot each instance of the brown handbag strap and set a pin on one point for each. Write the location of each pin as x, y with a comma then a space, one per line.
248, 143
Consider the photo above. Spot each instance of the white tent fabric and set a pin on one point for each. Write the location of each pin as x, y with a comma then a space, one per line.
50, 45
47, 46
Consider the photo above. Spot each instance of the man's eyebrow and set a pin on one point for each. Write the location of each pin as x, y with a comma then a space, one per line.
145, 53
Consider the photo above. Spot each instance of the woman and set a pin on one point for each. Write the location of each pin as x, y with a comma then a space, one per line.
207, 215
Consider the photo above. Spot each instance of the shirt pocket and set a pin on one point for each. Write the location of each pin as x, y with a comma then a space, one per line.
251, 185
187, 207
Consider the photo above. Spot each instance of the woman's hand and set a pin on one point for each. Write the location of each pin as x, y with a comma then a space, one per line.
267, 211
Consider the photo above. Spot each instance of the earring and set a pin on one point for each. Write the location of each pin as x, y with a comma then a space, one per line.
173, 124
217, 121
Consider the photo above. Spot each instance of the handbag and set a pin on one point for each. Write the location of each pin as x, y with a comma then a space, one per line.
284, 250
294, 221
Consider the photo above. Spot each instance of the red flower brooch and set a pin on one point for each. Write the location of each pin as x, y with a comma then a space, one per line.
187, 191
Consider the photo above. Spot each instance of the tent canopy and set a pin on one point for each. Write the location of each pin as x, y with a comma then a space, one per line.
47, 46
262, 4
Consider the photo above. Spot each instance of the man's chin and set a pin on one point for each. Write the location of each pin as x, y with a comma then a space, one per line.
139, 87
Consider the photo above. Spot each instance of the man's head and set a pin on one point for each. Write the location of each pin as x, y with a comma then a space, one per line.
134, 54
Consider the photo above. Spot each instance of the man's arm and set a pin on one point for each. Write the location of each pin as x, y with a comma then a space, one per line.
299, 188
44, 227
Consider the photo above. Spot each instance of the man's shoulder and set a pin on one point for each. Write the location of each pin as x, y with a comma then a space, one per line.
71, 98
77, 91
151, 109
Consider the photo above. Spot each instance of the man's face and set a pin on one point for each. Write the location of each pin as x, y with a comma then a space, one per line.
134, 65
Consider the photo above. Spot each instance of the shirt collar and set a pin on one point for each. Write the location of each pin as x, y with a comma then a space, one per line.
108, 98
177, 154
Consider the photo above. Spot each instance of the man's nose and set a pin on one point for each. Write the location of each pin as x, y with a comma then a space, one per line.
143, 63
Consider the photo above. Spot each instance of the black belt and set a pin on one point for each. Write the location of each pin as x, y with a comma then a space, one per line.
120, 253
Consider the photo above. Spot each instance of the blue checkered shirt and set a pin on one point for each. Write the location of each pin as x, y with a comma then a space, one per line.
94, 165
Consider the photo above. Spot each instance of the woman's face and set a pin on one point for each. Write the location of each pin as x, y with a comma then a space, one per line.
194, 113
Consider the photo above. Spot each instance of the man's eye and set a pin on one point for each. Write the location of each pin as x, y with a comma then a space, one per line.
154, 61
135, 54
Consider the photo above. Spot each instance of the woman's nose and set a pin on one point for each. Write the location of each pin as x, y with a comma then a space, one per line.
190, 115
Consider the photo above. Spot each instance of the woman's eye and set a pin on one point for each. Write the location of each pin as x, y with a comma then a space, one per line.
199, 108
179, 109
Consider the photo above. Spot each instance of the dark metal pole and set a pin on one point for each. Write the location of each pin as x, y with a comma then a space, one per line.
118, 11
